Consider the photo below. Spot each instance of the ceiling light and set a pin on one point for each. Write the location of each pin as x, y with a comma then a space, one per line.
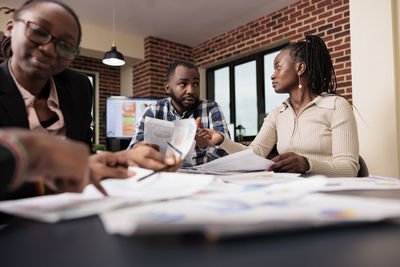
113, 57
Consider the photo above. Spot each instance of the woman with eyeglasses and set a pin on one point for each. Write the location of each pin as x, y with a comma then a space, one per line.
38, 92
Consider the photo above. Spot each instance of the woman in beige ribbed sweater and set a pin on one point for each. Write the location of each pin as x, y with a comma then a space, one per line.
314, 129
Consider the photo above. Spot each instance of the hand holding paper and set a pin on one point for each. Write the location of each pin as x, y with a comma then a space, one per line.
180, 134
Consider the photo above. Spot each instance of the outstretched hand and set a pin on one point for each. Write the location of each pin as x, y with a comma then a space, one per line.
207, 137
145, 156
290, 162
105, 165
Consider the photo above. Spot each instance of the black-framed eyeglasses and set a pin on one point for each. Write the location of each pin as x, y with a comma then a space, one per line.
35, 33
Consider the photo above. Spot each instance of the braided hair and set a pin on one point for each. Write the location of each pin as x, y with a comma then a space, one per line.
321, 74
5, 45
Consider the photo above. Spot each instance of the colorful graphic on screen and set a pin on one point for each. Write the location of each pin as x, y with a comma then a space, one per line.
123, 114
128, 118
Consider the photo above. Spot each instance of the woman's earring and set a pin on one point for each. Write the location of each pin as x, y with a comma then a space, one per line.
300, 86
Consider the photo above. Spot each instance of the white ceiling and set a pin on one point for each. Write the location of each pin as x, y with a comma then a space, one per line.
188, 22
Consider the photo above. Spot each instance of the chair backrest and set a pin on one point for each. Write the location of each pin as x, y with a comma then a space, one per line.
363, 171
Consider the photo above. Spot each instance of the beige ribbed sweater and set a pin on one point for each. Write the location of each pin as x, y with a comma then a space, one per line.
324, 132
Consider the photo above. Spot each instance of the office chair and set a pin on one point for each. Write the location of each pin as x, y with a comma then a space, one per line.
363, 171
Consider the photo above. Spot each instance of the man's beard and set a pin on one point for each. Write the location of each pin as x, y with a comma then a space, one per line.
179, 102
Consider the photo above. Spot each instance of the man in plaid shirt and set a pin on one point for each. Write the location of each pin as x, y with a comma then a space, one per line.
183, 88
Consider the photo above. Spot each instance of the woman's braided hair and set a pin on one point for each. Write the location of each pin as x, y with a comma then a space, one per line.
319, 67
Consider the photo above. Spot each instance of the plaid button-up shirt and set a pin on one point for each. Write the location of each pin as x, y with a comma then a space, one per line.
211, 117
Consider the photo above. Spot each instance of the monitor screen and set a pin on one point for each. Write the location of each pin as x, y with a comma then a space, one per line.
122, 113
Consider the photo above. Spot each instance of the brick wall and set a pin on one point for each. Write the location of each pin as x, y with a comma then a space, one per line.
149, 75
327, 18
109, 82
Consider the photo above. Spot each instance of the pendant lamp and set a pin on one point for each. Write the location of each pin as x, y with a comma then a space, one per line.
113, 57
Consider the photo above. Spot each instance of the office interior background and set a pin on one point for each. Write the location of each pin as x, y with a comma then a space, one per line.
233, 44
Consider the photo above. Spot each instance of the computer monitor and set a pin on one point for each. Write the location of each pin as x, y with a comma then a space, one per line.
122, 114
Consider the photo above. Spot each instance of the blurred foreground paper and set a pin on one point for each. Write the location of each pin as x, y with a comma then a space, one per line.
122, 192
221, 219
358, 183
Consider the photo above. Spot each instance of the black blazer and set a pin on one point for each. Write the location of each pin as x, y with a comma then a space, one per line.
7, 168
75, 99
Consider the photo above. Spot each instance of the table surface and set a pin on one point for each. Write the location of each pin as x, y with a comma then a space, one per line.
84, 242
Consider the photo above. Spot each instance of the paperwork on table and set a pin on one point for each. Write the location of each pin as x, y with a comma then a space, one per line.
223, 204
242, 161
219, 218
122, 192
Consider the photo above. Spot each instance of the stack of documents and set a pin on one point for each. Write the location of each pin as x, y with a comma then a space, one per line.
230, 204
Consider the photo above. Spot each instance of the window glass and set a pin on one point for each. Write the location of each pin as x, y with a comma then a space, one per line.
221, 93
246, 97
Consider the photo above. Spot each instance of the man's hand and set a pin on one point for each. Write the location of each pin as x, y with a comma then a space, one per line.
290, 162
207, 137
146, 156
107, 165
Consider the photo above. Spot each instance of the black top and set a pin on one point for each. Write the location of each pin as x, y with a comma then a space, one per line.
75, 99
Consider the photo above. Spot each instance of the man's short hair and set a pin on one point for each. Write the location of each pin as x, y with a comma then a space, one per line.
175, 64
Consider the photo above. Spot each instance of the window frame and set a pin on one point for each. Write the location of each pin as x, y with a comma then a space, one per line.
95, 104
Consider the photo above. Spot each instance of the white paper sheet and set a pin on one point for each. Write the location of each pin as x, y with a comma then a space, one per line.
179, 133
244, 160
183, 138
158, 132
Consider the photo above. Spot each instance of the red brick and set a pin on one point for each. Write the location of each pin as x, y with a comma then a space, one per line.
295, 14
323, 4
342, 72
296, 25
341, 34
303, 29
324, 15
342, 22
337, 54
288, 11
303, 5
304, 16
310, 20
289, 22
334, 43
342, 47
308, 9
333, 18
318, 11
290, 33
341, 9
